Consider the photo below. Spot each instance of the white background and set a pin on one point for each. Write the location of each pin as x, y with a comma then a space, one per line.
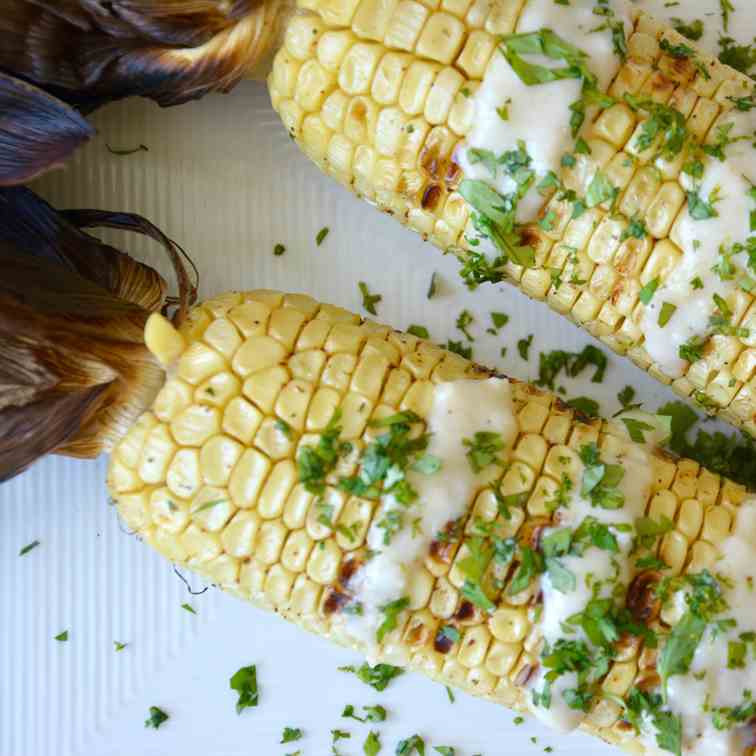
224, 180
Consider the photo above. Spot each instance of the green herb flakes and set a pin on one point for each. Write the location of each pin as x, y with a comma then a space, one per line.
420, 331
29, 547
378, 677
369, 301
290, 735
244, 682
372, 744
523, 347
156, 718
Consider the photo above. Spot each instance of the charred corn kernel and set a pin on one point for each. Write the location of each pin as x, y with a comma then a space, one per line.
216, 487
381, 94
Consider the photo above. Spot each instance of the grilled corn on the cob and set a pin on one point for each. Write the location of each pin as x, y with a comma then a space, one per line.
280, 458
406, 101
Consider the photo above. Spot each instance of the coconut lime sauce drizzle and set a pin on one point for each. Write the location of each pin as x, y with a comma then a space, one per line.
459, 410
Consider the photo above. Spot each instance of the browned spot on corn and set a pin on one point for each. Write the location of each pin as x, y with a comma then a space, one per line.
642, 599
431, 196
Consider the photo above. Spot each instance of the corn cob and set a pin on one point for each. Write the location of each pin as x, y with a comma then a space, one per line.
381, 96
209, 476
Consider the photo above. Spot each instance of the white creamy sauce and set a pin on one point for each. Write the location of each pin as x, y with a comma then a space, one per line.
692, 699
460, 409
539, 115
576, 23
596, 567
700, 241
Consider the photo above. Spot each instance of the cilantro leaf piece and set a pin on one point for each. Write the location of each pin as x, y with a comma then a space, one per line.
562, 579
244, 682
391, 612
29, 547
420, 331
636, 429
320, 238
378, 677
372, 744
156, 718
681, 645
411, 745
290, 734
369, 301
523, 347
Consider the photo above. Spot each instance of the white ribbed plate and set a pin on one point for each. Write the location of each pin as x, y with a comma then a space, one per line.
223, 179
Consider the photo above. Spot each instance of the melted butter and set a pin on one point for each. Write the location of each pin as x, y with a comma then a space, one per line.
700, 241
459, 410
718, 686
597, 572
539, 115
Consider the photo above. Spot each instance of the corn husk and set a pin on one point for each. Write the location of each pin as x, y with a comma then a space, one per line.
37, 131
74, 370
89, 52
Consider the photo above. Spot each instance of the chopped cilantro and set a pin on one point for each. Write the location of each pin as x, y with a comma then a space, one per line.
372, 744
369, 301
432, 286
636, 429
391, 612
483, 449
378, 677
731, 456
626, 396
290, 734
550, 364
698, 208
420, 331
665, 314
63, 637
314, 463
411, 745
600, 190
499, 319
459, 348
29, 547
523, 347
244, 682
693, 31
156, 718
278, 250
589, 407
320, 238
464, 320
740, 57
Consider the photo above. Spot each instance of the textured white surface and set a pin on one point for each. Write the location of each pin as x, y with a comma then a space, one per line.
222, 178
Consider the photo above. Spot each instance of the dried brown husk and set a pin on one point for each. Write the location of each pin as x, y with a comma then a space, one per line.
74, 371
37, 131
89, 51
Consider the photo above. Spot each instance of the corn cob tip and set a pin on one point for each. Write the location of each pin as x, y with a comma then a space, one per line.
162, 339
